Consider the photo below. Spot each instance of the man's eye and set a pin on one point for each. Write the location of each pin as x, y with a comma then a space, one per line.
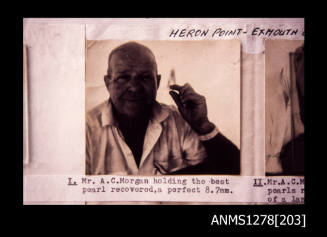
147, 78
121, 79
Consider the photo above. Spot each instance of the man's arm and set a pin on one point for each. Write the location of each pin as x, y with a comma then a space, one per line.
223, 157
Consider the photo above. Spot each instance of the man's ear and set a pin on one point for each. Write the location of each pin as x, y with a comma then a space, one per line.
158, 80
106, 81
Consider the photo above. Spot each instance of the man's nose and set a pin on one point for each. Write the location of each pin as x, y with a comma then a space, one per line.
134, 84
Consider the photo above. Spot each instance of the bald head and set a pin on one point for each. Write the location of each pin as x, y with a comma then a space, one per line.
132, 53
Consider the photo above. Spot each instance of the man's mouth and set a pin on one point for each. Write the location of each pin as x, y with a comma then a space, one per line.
134, 99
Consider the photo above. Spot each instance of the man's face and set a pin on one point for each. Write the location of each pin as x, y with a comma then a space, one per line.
134, 82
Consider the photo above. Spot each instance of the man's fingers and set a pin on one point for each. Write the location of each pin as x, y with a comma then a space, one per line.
176, 87
176, 98
185, 89
185, 94
195, 98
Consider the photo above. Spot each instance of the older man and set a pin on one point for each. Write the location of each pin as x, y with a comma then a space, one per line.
132, 134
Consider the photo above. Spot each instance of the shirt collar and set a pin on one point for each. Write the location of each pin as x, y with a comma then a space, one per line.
107, 117
160, 113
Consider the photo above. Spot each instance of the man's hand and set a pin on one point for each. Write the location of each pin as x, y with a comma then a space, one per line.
192, 107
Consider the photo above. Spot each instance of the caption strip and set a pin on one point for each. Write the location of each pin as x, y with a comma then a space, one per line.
224, 189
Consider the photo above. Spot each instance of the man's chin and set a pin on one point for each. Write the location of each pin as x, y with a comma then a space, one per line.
136, 109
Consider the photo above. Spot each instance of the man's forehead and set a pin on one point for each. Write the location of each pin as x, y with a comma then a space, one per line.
139, 53
122, 70
121, 61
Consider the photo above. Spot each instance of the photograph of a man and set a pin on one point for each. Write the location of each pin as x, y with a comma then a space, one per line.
131, 133
285, 123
